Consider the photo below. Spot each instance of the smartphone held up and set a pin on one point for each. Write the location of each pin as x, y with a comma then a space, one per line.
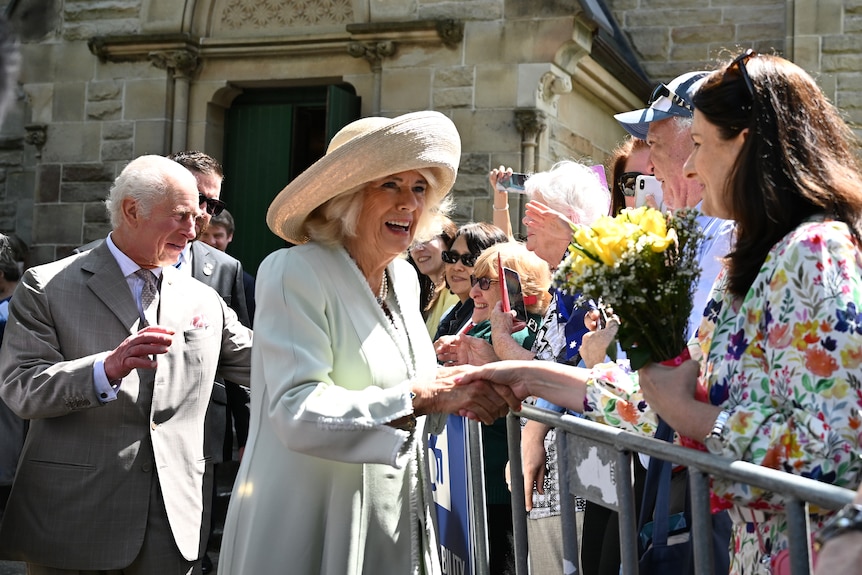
648, 186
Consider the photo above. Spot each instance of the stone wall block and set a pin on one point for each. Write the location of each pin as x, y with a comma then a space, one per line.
496, 86
100, 10
104, 90
150, 137
57, 224
454, 77
96, 213
145, 100
75, 32
763, 34
87, 173
407, 88
68, 102
453, 98
48, 183
72, 142
117, 130
474, 164
84, 191
702, 34
11, 158
818, 18
118, 151
40, 98
73, 61
639, 19
690, 52
841, 62
459, 10
109, 110
651, 43
93, 232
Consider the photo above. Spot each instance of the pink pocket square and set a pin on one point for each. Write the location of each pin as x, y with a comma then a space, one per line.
199, 322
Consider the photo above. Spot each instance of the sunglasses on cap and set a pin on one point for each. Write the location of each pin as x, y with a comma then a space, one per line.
213, 206
627, 183
452, 257
662, 91
484, 283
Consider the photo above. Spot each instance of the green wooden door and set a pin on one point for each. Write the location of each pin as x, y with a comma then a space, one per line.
270, 137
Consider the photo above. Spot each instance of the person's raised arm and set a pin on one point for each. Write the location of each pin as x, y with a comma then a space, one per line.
501, 199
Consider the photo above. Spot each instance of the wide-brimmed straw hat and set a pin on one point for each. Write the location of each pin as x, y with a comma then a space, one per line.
367, 150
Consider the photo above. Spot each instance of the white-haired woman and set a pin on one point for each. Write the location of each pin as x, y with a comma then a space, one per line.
334, 479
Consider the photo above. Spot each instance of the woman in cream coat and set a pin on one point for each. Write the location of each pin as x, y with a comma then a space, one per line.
334, 478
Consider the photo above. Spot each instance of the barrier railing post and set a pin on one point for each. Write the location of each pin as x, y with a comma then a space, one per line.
568, 517
478, 509
701, 518
516, 477
628, 519
798, 536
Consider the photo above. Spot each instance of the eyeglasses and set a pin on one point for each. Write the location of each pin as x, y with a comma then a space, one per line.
452, 257
484, 283
627, 183
739, 62
213, 206
662, 91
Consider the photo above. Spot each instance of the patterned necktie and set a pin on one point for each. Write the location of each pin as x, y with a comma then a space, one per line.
149, 297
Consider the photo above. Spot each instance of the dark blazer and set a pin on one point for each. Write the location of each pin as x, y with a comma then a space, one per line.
88, 466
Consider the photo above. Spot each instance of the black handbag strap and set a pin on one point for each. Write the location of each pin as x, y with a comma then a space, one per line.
655, 505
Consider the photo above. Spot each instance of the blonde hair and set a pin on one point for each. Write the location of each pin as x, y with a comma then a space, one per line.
534, 272
336, 219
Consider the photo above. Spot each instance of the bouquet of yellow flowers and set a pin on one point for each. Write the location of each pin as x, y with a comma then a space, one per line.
643, 265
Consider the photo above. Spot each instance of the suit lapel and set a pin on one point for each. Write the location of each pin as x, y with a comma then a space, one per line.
202, 262
110, 286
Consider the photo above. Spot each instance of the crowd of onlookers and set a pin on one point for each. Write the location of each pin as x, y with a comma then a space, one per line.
127, 366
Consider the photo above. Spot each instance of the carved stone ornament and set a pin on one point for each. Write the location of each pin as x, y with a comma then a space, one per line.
36, 135
530, 123
182, 61
374, 52
257, 14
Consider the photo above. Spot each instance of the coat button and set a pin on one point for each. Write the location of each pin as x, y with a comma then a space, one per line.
153, 425
147, 467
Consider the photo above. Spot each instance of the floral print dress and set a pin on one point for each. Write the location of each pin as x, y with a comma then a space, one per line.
786, 362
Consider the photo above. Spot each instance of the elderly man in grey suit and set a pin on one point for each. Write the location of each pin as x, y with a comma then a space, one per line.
112, 354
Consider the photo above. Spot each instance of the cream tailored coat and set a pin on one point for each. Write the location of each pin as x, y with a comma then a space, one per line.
325, 486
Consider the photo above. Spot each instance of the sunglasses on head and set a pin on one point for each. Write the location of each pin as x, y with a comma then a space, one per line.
213, 206
739, 62
452, 257
484, 283
627, 183
662, 91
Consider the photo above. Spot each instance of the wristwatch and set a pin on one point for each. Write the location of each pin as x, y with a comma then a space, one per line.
713, 441
848, 519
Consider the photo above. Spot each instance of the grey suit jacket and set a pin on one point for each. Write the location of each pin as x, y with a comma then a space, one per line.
80, 498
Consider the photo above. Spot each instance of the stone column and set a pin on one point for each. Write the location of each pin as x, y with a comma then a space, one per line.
373, 52
531, 123
181, 65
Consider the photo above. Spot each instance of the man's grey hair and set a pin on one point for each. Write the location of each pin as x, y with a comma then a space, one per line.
147, 180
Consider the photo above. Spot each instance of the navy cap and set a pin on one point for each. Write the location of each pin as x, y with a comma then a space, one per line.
667, 101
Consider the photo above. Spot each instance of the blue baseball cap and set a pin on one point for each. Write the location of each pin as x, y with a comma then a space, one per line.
666, 101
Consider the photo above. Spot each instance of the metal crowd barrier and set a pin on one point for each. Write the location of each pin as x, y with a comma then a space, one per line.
608, 451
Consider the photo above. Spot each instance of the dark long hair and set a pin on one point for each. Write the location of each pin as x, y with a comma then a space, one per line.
797, 161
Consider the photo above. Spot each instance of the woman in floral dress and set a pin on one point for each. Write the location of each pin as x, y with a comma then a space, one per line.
778, 381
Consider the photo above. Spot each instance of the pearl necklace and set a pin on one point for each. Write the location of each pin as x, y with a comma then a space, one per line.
384, 290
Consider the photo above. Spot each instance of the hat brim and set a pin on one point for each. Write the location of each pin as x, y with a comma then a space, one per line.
419, 140
637, 122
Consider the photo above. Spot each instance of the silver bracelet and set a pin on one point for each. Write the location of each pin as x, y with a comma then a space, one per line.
496, 209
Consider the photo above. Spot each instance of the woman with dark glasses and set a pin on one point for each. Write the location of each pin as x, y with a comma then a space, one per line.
628, 161
460, 257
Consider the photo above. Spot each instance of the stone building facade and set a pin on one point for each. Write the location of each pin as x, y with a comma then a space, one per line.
261, 84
